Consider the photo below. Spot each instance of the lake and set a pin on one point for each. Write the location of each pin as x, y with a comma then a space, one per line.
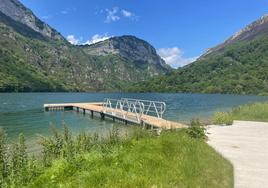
24, 113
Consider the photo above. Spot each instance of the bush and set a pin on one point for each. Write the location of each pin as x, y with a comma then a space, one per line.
196, 130
221, 118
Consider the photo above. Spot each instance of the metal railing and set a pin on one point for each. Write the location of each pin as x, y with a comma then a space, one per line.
133, 109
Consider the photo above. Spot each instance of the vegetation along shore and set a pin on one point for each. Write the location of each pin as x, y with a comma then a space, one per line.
176, 158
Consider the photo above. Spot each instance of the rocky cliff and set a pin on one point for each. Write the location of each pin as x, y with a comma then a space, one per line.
129, 47
16, 11
35, 57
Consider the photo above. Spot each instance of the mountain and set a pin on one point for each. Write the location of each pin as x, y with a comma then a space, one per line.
237, 66
257, 28
35, 57
16, 11
131, 48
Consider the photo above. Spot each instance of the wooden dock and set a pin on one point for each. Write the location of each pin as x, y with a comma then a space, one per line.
129, 115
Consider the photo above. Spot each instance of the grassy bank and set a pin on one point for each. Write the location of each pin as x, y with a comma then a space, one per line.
142, 159
247, 112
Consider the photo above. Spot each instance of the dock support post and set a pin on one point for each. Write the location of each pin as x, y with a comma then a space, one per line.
113, 119
102, 116
92, 113
142, 124
77, 109
84, 111
125, 122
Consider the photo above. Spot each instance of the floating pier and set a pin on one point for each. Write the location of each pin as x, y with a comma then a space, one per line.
143, 112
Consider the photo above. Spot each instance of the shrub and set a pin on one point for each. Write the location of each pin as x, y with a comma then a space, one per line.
221, 118
196, 130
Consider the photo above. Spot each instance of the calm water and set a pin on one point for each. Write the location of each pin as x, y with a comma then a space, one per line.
23, 112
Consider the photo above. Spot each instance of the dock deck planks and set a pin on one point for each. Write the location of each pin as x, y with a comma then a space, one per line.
97, 107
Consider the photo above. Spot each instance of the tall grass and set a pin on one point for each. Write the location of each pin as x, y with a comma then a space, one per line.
139, 159
16, 167
247, 112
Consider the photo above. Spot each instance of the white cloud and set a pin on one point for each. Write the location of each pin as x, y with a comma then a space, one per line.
73, 40
129, 15
174, 57
64, 12
94, 39
97, 38
46, 17
68, 10
116, 14
112, 15
126, 13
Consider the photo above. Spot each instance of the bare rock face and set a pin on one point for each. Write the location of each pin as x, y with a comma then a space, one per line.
128, 47
257, 28
15, 10
35, 57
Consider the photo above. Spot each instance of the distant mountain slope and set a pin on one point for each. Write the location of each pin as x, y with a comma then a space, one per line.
257, 28
239, 66
128, 47
16, 11
35, 57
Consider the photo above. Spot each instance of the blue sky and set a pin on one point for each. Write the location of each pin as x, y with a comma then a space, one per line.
180, 30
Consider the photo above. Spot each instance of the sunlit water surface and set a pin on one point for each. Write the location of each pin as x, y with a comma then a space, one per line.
24, 113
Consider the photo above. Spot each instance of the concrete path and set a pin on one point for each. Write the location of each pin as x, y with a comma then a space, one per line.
245, 144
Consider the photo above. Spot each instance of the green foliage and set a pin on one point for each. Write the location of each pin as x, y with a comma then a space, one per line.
196, 130
17, 75
247, 112
60, 145
172, 159
19, 162
31, 62
16, 169
139, 159
221, 118
253, 112
241, 68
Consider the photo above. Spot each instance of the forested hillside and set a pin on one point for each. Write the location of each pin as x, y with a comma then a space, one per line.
238, 66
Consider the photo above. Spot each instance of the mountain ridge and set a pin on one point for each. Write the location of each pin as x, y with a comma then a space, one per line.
247, 33
18, 12
124, 46
35, 57
237, 66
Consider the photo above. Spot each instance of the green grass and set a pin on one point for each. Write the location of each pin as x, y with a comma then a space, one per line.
247, 112
173, 159
177, 158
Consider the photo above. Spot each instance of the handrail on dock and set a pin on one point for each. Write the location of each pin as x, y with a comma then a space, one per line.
154, 108
131, 110
125, 106
143, 112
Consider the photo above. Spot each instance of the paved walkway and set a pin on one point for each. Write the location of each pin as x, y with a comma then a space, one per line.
245, 144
